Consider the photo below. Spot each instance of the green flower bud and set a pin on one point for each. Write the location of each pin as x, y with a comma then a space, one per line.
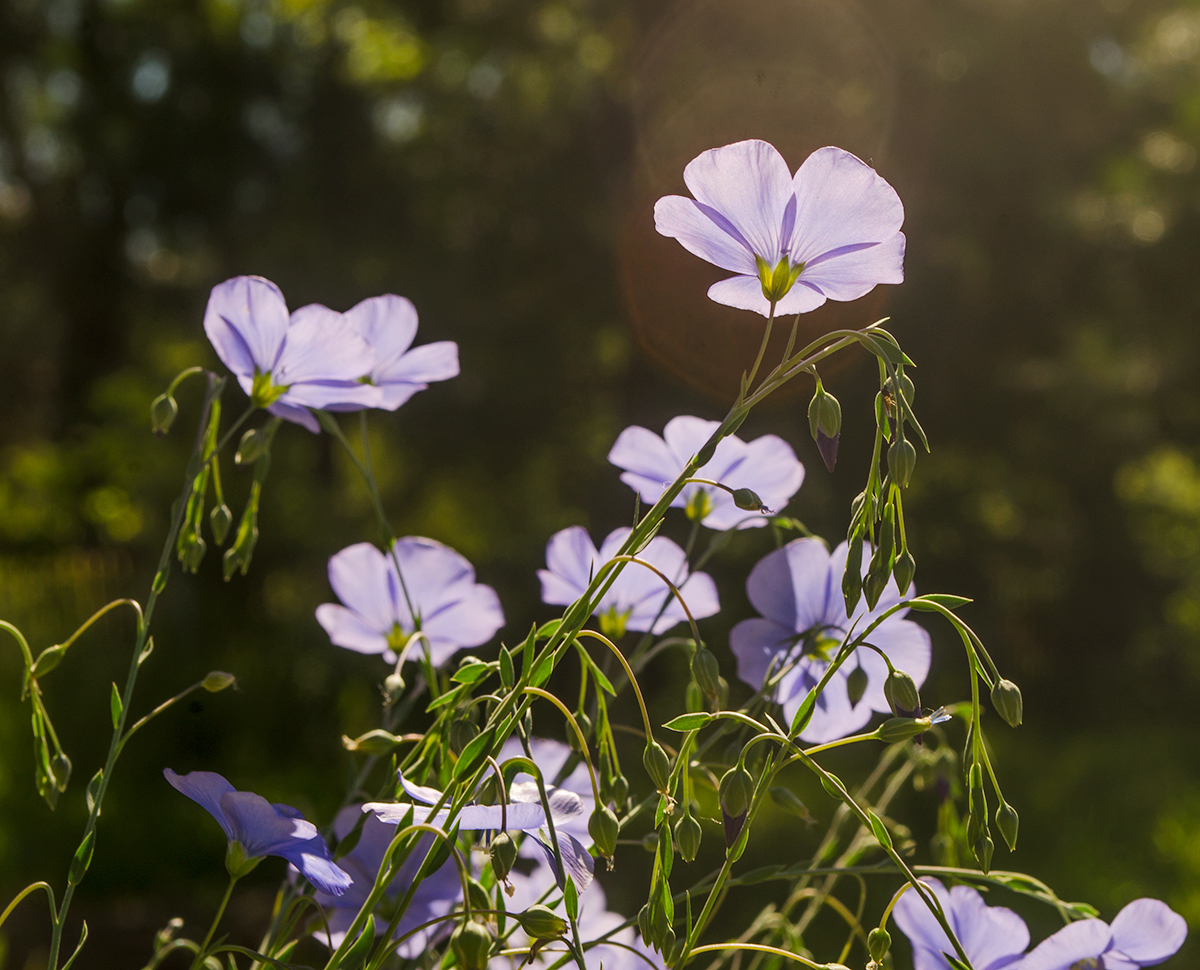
903, 569
825, 424
706, 670
1007, 822
747, 499
896, 729
237, 863
722, 694
650, 841
393, 683
658, 767
471, 944
687, 837
856, 685
852, 577
618, 790
879, 941
218, 680
901, 459
877, 578
462, 732
604, 828
667, 943
163, 410
479, 896
541, 923
693, 697
643, 919
906, 388
254, 445
374, 742
504, 854
735, 790
983, 848
191, 551
219, 520
1006, 699
902, 695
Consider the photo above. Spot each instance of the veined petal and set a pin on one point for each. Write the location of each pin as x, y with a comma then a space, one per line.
321, 345
419, 793
685, 435
472, 620
415, 371
1078, 941
576, 859
749, 184
347, 629
312, 859
1148, 931
571, 558
700, 594
853, 271
703, 232
841, 201
205, 788
801, 298
769, 466
364, 580
295, 414
388, 323
246, 319
920, 925
756, 643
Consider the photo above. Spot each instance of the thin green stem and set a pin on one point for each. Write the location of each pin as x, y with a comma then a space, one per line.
200, 954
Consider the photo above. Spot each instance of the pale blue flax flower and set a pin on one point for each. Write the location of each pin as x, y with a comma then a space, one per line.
767, 465
438, 595
830, 232
256, 828
436, 896
798, 591
1145, 933
992, 936
638, 599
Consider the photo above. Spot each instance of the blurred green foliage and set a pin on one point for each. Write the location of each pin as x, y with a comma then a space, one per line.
483, 157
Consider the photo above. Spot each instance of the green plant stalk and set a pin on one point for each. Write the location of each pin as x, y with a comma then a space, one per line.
200, 954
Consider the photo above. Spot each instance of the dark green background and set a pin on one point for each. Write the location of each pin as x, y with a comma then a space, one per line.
497, 161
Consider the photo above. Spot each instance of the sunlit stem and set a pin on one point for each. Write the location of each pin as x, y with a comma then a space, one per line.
583, 745
762, 348
199, 958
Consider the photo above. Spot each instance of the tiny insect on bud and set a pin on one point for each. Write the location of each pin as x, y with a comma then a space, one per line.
657, 765
1007, 822
902, 695
746, 498
542, 923
218, 680
604, 828
901, 459
706, 670
1006, 699
504, 854
471, 944
163, 411
879, 941
687, 837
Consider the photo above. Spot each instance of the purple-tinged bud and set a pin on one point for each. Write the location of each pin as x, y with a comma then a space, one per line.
825, 424
163, 411
707, 671
1007, 822
856, 685
1006, 699
901, 459
879, 941
687, 837
471, 944
902, 695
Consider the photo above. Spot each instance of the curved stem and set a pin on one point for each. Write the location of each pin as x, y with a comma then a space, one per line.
583, 745
32, 887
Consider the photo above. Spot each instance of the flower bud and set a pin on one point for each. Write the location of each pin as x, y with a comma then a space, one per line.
393, 683
542, 923
504, 854
1006, 699
462, 732
191, 550
218, 680
1007, 822
825, 424
747, 499
687, 837
650, 841
658, 767
901, 693
879, 941
667, 943
254, 445
219, 520
618, 790
693, 698
983, 847
237, 863
604, 828
903, 569
376, 742
852, 577
906, 388
471, 944
706, 670
789, 801
735, 791
856, 685
896, 729
163, 410
479, 895
901, 459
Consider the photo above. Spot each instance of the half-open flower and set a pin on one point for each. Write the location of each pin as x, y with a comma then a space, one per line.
797, 589
831, 231
766, 465
1145, 933
992, 936
433, 590
638, 599
256, 828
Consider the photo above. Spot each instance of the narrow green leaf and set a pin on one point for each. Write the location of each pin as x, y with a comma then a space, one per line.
507, 674
115, 706
93, 790
82, 859
882, 835
688, 722
955, 962
571, 899
945, 600
450, 697
476, 750
804, 713
471, 672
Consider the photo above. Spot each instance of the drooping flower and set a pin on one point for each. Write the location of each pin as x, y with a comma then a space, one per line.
452, 610
312, 359
992, 936
552, 757
766, 465
437, 894
1145, 933
523, 813
638, 599
389, 324
798, 591
257, 828
831, 231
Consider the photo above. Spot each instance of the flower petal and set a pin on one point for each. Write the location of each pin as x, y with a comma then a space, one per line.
571, 559
1148, 931
703, 232
649, 463
745, 293
851, 272
993, 936
259, 827
246, 319
576, 859
364, 579
471, 620
755, 643
205, 788
321, 345
833, 716
295, 414
388, 323
841, 201
920, 925
347, 629
749, 184
1078, 941
414, 371
312, 859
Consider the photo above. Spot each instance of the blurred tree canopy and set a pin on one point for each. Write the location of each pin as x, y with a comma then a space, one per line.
496, 161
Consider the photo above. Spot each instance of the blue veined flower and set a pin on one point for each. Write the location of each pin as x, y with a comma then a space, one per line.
992, 936
257, 828
638, 599
831, 231
437, 895
798, 592
1145, 933
454, 611
766, 465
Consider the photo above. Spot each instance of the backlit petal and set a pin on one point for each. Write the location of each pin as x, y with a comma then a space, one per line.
1148, 931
